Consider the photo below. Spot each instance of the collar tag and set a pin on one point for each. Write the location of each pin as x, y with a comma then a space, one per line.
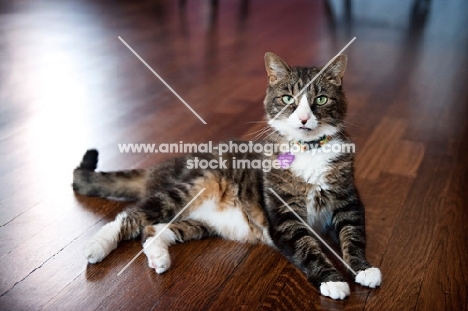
286, 159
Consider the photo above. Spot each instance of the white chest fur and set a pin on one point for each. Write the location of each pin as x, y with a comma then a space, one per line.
314, 165
313, 168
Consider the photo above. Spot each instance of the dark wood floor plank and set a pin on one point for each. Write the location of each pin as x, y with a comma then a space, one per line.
411, 240
59, 270
446, 279
288, 292
212, 270
209, 261
44, 245
246, 288
384, 200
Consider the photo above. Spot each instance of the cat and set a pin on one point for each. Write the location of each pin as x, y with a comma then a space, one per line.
247, 205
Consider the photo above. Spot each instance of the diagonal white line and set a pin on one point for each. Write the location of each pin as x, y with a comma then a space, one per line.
313, 79
315, 233
162, 230
162, 80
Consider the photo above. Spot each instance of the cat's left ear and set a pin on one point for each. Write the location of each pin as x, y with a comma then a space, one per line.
276, 68
334, 73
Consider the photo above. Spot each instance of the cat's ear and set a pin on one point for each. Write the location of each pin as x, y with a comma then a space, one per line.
334, 73
276, 68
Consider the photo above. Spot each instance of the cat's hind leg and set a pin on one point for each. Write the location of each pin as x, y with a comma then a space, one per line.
127, 225
158, 238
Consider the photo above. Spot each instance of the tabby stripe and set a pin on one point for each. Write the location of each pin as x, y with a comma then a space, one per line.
355, 223
174, 194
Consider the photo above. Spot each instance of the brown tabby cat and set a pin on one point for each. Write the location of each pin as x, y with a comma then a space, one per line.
238, 204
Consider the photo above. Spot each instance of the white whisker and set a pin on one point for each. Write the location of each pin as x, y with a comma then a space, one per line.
260, 130
261, 134
256, 122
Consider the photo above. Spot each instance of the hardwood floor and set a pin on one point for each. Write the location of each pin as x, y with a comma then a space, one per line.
67, 83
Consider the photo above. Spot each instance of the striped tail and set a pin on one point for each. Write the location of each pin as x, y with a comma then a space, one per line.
128, 184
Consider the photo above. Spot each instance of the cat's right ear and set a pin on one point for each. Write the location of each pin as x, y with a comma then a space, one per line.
276, 68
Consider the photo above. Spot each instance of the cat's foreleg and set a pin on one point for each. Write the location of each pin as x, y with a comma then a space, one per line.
349, 225
294, 240
158, 238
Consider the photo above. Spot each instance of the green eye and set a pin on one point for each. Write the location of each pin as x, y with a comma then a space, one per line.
287, 99
321, 100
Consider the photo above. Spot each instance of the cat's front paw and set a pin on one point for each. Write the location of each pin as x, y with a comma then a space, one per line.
335, 290
371, 277
94, 252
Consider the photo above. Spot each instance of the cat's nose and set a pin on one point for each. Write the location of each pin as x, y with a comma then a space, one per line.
304, 121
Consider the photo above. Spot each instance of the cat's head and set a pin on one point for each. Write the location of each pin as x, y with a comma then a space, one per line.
316, 111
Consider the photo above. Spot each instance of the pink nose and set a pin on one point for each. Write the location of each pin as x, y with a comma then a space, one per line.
304, 121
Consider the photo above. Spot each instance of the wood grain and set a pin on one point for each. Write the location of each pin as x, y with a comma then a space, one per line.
445, 278
246, 288
387, 151
412, 237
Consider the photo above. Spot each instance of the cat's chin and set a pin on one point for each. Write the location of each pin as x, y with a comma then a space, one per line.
293, 132
308, 134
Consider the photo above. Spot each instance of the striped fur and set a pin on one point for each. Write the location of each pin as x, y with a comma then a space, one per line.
237, 204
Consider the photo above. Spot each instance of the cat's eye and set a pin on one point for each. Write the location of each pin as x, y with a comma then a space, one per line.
321, 100
288, 99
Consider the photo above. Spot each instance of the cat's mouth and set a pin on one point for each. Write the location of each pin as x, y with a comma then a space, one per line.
305, 128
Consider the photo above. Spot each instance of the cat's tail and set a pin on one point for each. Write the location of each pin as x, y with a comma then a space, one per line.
128, 184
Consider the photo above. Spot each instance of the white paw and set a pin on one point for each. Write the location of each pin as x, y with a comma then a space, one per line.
104, 241
94, 252
335, 290
160, 263
370, 277
158, 256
